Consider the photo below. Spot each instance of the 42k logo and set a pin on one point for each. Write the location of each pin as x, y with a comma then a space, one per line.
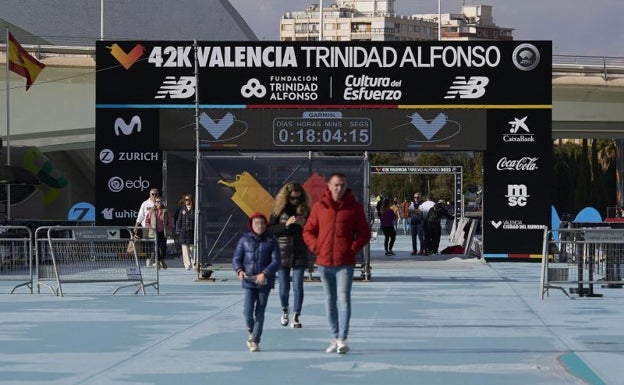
127, 59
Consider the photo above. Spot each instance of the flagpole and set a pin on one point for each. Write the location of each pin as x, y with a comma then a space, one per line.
8, 129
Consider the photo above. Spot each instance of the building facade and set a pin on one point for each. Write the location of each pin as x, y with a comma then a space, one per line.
376, 20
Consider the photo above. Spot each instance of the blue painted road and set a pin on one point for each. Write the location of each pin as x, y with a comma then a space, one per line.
434, 321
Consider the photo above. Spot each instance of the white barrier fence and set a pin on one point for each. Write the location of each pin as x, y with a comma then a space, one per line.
16, 259
94, 254
583, 258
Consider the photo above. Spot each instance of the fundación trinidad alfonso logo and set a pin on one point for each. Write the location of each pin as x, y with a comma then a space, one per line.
127, 59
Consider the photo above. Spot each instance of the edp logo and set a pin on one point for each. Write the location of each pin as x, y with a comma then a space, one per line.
117, 184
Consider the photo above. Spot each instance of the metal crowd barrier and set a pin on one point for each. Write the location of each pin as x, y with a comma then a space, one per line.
16, 259
582, 258
94, 254
463, 233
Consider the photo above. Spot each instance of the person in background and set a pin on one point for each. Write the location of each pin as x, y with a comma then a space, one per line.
335, 232
417, 229
288, 217
146, 205
432, 223
394, 205
405, 215
255, 260
388, 218
185, 229
424, 209
160, 225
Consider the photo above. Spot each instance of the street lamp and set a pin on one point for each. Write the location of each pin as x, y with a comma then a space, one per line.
439, 20
321, 20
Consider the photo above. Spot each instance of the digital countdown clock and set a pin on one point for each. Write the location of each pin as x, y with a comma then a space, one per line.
333, 131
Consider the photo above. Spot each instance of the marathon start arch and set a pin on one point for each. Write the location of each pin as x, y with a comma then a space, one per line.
353, 98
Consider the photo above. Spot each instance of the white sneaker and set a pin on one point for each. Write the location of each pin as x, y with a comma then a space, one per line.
333, 346
248, 341
284, 318
253, 346
148, 262
295, 321
342, 346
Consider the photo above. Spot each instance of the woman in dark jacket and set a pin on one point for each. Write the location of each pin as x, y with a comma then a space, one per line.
255, 261
185, 229
289, 214
388, 219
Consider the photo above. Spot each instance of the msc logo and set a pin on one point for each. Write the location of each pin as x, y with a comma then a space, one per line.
253, 88
127, 59
182, 88
121, 127
471, 88
517, 195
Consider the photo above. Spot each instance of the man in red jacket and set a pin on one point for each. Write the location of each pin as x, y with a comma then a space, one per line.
335, 232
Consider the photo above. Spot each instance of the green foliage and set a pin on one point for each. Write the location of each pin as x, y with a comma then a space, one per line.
584, 178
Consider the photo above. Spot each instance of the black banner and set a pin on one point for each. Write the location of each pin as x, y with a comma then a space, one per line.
331, 129
517, 176
332, 96
330, 73
128, 163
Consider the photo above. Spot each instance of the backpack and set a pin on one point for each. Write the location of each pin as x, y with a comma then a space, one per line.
416, 218
434, 214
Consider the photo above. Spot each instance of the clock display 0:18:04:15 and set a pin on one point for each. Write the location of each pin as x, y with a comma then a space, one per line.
350, 135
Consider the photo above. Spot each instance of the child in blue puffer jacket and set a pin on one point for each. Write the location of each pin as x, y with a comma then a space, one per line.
255, 261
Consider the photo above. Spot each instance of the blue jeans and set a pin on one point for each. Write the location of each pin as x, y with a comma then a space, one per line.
284, 287
337, 282
418, 234
254, 305
406, 225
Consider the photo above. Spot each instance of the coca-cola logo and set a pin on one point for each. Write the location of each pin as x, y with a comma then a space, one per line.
523, 164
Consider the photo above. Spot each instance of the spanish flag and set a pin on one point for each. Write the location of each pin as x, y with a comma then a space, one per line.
23, 63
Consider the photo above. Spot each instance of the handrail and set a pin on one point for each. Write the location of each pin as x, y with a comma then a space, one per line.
606, 66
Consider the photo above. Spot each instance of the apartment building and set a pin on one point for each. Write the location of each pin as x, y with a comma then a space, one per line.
376, 20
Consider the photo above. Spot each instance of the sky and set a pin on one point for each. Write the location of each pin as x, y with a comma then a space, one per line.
576, 27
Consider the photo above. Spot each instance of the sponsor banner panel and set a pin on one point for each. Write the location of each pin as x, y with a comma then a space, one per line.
324, 130
517, 176
121, 191
128, 163
322, 73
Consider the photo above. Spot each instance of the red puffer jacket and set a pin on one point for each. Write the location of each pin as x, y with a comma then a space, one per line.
336, 231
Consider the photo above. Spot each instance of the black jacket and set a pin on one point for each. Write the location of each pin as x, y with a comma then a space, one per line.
293, 249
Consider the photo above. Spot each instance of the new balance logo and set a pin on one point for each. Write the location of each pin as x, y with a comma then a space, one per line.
182, 88
471, 88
